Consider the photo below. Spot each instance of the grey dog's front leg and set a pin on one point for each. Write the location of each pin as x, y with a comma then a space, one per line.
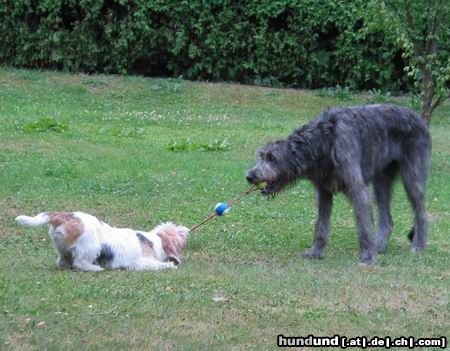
363, 215
322, 228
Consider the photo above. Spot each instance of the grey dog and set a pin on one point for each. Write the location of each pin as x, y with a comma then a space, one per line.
346, 149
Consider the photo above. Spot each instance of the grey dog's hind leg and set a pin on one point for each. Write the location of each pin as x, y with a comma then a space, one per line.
414, 181
382, 186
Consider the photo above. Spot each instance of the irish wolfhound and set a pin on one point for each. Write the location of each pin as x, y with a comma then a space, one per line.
346, 149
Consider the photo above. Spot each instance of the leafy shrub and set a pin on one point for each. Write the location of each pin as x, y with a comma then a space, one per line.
168, 86
130, 132
298, 43
44, 124
379, 97
338, 92
188, 145
415, 102
95, 82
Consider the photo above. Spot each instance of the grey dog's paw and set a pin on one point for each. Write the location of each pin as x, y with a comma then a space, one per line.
367, 259
312, 254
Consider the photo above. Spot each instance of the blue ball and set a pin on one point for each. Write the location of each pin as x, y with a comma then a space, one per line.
221, 209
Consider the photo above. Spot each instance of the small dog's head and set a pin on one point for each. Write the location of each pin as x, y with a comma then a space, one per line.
174, 240
272, 168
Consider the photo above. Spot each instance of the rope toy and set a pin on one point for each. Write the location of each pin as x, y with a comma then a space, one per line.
222, 208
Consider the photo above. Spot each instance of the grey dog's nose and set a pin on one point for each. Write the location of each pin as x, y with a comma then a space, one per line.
250, 178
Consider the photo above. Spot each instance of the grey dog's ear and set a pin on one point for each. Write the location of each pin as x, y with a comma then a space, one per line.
334, 157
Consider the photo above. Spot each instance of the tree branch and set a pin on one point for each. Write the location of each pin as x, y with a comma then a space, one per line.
417, 45
437, 102
435, 15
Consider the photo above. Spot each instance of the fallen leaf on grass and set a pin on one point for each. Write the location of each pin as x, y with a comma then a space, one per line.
220, 298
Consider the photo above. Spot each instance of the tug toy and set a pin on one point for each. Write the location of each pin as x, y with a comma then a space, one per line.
222, 208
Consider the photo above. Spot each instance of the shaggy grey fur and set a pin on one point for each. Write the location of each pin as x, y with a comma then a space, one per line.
346, 149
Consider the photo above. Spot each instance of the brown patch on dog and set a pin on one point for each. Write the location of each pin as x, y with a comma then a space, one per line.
172, 241
147, 250
72, 226
146, 246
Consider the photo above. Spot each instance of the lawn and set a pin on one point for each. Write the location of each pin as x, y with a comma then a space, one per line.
135, 151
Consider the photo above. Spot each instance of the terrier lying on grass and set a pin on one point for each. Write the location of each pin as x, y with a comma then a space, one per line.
85, 243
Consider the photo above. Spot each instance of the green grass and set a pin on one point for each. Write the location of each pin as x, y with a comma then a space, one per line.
110, 155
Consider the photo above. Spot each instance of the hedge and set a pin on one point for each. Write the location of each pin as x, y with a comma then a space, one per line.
298, 43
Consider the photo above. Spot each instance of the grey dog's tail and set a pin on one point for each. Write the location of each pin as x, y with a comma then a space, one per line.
40, 219
411, 234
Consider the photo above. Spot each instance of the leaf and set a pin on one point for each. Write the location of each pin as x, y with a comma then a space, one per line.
220, 298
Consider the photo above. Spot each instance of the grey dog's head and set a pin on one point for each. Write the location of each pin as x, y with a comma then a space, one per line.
272, 168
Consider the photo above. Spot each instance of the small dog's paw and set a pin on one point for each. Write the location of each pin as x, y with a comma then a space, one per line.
312, 254
87, 267
171, 265
63, 263
96, 269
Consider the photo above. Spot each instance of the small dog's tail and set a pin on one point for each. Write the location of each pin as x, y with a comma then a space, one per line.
40, 219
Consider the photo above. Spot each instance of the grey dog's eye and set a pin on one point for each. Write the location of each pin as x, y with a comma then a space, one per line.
270, 157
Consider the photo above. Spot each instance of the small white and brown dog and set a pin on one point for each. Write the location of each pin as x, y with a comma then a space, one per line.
85, 243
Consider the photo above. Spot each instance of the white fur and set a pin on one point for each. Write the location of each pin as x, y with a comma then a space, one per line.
40, 219
124, 244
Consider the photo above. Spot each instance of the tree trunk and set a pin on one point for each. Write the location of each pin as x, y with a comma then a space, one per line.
427, 94
427, 52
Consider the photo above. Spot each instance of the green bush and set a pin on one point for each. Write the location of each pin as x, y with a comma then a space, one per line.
299, 43
44, 124
188, 145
